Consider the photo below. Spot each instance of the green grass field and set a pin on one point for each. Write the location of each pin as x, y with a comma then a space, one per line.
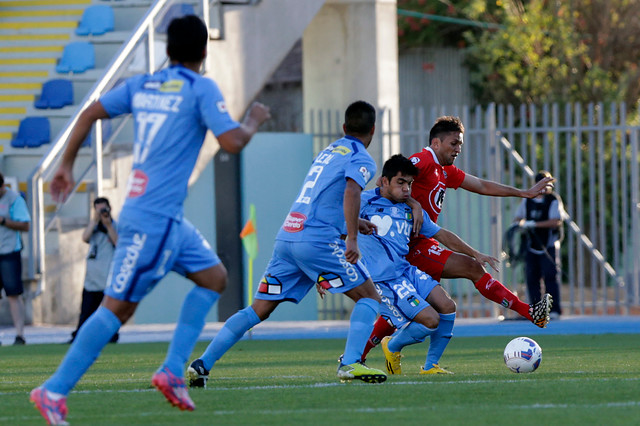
583, 379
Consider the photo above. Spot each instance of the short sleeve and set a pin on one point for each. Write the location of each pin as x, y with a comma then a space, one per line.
213, 107
429, 228
117, 101
19, 211
455, 176
361, 169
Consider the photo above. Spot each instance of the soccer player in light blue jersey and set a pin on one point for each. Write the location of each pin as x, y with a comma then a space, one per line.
172, 110
309, 250
412, 301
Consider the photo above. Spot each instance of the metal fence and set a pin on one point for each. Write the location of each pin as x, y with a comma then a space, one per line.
592, 150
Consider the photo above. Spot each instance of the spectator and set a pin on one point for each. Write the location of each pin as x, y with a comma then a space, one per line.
102, 235
542, 217
14, 218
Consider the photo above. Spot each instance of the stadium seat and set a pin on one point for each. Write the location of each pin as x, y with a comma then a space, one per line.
55, 94
77, 57
96, 20
32, 132
177, 10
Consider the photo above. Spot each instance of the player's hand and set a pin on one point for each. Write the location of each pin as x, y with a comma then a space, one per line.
483, 259
61, 184
321, 290
366, 227
544, 186
418, 220
352, 253
259, 112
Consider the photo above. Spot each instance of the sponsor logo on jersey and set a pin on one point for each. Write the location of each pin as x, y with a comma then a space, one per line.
294, 222
172, 86
366, 174
414, 160
270, 285
222, 107
328, 280
342, 150
413, 301
132, 253
152, 85
436, 197
137, 183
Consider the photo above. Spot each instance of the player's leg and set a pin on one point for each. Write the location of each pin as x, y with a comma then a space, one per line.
381, 329
446, 308
11, 273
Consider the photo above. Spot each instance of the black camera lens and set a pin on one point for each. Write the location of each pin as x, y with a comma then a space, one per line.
105, 210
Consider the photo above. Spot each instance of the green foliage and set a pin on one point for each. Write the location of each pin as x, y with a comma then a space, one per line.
586, 379
419, 32
579, 51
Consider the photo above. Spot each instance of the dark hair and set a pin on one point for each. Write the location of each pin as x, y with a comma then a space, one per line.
359, 118
101, 200
187, 39
398, 164
445, 124
1, 179
541, 175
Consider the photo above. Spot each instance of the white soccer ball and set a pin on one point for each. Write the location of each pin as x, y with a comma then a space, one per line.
522, 355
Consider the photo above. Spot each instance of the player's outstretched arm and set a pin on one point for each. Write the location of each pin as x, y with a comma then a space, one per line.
236, 139
455, 243
62, 182
351, 216
487, 187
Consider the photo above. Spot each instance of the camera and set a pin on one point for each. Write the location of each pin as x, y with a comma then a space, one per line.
105, 211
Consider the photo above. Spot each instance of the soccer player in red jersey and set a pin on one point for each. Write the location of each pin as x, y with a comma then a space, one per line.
436, 174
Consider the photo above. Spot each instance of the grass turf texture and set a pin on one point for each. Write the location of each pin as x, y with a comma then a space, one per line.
583, 379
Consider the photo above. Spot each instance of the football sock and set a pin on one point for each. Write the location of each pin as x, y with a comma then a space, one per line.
232, 331
94, 335
440, 339
195, 308
360, 325
495, 291
381, 329
409, 335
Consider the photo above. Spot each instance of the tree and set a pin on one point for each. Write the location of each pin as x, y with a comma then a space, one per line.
553, 51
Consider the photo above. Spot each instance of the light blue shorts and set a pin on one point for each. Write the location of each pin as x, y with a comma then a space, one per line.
150, 246
403, 298
295, 267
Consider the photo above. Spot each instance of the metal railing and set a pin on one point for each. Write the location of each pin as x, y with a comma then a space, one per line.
593, 153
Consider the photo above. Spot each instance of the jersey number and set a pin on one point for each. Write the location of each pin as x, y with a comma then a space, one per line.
309, 184
149, 124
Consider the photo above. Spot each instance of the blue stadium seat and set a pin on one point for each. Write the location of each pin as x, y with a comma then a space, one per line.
96, 20
32, 132
77, 57
55, 94
177, 10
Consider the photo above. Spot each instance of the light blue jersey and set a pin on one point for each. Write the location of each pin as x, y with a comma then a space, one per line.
384, 252
317, 214
172, 110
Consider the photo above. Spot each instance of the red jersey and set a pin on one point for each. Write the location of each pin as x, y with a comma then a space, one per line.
430, 185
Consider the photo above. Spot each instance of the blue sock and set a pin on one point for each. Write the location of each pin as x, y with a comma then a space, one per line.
94, 334
360, 327
195, 308
232, 331
409, 335
440, 339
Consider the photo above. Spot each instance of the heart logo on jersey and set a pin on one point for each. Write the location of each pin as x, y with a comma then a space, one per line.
383, 223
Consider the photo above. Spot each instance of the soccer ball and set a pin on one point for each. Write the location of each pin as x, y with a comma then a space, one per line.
522, 355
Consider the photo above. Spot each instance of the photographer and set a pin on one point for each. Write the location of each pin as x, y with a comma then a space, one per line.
101, 235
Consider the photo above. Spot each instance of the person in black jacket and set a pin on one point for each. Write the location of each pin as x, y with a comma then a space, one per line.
542, 218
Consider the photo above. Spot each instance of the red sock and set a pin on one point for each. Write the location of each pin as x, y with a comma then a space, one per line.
495, 291
381, 329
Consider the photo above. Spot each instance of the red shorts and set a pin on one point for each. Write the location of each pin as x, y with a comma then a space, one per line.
428, 255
